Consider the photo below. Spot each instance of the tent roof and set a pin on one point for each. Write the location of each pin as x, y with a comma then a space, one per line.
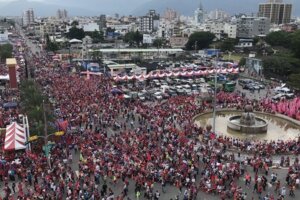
4, 77
10, 105
74, 40
15, 137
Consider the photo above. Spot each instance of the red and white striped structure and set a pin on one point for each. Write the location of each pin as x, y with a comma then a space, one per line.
15, 137
176, 74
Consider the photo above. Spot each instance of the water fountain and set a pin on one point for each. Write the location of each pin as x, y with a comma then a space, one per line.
247, 122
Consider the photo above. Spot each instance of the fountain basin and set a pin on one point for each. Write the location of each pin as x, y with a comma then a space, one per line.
260, 125
280, 127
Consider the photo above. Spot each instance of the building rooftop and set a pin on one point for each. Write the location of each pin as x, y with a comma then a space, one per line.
135, 50
11, 61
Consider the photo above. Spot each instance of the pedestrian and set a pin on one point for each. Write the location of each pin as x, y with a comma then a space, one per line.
163, 185
283, 191
292, 189
137, 194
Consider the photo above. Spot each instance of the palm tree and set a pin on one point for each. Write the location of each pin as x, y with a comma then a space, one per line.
32, 105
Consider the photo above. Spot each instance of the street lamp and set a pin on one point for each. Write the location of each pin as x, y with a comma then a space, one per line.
47, 145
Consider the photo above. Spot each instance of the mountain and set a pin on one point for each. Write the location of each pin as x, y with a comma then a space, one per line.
187, 7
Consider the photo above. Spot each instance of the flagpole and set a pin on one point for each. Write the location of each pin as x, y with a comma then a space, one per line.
27, 132
25, 129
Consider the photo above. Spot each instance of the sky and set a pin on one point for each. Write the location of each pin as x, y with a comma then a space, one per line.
135, 7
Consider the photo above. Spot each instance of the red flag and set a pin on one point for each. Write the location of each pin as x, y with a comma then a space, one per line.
63, 125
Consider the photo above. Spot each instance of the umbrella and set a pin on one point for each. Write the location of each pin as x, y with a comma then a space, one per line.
116, 91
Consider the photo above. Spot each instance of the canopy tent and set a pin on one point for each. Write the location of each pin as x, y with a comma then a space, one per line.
4, 77
176, 74
15, 137
10, 105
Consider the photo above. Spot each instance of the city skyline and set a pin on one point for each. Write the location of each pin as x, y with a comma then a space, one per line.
134, 7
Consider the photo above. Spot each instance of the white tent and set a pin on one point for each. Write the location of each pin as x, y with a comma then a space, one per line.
75, 41
4, 77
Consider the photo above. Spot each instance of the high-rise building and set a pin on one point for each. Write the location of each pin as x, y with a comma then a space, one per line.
218, 15
61, 14
249, 27
170, 14
28, 17
148, 23
102, 22
199, 15
276, 10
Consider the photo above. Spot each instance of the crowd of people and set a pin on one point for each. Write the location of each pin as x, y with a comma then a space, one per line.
131, 142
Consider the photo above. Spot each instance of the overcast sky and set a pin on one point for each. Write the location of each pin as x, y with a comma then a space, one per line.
135, 7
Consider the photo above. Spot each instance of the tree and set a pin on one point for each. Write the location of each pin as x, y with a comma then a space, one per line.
242, 61
97, 36
280, 66
295, 44
51, 46
133, 38
32, 104
279, 38
74, 23
228, 44
294, 80
5, 51
199, 40
77, 33
159, 42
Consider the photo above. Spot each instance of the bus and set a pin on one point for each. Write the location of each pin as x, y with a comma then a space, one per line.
229, 86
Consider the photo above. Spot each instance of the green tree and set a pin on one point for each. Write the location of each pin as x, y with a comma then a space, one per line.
32, 104
159, 42
199, 40
242, 61
51, 46
133, 38
294, 80
97, 36
295, 44
74, 23
279, 38
228, 44
5, 51
280, 66
77, 33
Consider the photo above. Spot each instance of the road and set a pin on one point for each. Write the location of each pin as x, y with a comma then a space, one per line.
171, 191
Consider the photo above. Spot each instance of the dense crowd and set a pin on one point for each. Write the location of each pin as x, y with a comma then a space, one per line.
130, 142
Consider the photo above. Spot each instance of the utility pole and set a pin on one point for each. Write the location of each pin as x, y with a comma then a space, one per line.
215, 94
47, 151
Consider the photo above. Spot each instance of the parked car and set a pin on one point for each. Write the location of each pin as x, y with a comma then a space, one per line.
158, 95
243, 82
248, 87
172, 93
277, 97
141, 96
